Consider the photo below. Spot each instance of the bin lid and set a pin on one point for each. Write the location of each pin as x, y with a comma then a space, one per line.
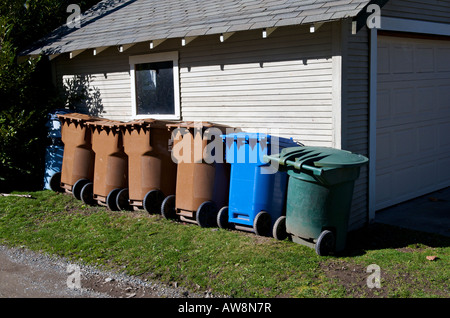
145, 123
105, 124
54, 114
54, 124
274, 140
247, 136
78, 117
322, 157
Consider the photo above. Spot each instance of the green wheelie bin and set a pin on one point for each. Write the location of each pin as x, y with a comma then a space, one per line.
319, 194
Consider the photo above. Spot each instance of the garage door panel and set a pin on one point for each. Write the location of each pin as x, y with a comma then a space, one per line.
425, 99
413, 119
384, 152
420, 78
403, 103
442, 56
383, 60
384, 189
427, 174
384, 111
404, 180
405, 143
424, 60
402, 59
444, 137
427, 138
443, 168
399, 105
443, 97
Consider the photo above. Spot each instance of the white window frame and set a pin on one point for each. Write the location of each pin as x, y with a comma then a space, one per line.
154, 58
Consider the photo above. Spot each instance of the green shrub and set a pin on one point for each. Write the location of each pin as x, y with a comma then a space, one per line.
27, 94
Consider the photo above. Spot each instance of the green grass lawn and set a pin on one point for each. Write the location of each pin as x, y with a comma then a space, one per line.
232, 263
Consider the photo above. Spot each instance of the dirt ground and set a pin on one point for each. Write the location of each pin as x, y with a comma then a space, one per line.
25, 274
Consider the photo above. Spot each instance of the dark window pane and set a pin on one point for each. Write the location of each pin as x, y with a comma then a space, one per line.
154, 88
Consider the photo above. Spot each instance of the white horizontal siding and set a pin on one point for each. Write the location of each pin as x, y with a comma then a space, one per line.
282, 82
109, 78
356, 119
432, 10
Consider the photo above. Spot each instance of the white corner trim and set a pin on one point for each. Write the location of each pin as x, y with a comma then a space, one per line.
373, 71
414, 26
336, 61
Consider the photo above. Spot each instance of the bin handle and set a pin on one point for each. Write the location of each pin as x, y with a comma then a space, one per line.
306, 154
296, 164
299, 165
286, 159
268, 158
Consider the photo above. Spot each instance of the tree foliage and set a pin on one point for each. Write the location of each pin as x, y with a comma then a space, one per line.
26, 91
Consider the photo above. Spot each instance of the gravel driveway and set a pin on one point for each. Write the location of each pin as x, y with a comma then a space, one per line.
26, 274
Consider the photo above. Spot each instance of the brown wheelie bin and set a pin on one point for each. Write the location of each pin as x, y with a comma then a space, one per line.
78, 158
151, 171
110, 167
202, 183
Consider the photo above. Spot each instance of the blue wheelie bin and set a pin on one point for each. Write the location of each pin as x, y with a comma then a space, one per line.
257, 192
54, 152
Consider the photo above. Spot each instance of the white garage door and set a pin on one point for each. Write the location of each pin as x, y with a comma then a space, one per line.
413, 118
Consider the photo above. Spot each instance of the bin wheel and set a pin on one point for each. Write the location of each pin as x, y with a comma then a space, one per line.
222, 218
206, 215
153, 201
87, 194
279, 228
168, 207
325, 243
111, 200
122, 200
76, 188
55, 182
262, 224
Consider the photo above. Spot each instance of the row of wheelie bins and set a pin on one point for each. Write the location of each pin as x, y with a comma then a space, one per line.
116, 164
197, 173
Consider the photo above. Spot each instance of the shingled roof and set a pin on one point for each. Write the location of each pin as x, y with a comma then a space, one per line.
122, 22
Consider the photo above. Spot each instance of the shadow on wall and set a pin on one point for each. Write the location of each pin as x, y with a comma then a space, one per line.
81, 96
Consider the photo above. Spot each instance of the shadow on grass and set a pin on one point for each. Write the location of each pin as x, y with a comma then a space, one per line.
382, 236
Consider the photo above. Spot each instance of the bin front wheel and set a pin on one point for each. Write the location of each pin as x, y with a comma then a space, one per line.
222, 218
76, 188
153, 201
279, 228
55, 182
168, 207
262, 223
111, 200
87, 194
325, 243
122, 200
206, 214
